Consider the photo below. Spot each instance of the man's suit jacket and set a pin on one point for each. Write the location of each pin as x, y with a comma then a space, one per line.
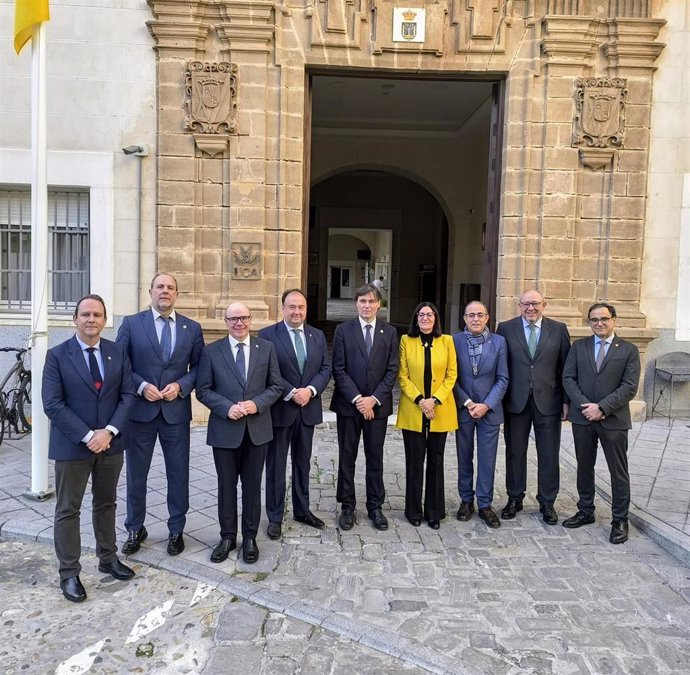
317, 373
219, 387
138, 336
355, 373
612, 388
74, 405
444, 372
543, 375
489, 385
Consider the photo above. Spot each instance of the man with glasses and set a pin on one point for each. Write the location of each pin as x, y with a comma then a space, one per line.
481, 385
164, 348
537, 349
238, 381
365, 368
601, 376
305, 370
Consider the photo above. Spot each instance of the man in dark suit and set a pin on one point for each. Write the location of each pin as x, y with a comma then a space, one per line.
305, 370
601, 376
87, 392
164, 348
482, 382
537, 349
238, 381
365, 368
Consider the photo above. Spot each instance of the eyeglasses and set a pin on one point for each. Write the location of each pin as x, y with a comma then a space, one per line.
426, 315
238, 319
600, 319
477, 315
532, 304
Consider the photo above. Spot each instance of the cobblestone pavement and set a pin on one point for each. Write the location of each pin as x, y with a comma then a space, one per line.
156, 623
524, 598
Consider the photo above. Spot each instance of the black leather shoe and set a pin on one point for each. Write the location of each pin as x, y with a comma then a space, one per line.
134, 539
434, 524
489, 517
250, 551
619, 531
465, 511
175, 544
578, 520
380, 522
549, 514
414, 521
347, 519
274, 531
311, 520
222, 549
116, 569
73, 590
511, 509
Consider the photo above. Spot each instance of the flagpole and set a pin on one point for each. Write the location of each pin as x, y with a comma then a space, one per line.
39, 264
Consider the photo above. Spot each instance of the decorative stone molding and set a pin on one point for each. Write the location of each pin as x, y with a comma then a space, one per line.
631, 43
210, 97
338, 23
177, 26
600, 117
481, 24
596, 158
247, 25
570, 40
211, 145
246, 261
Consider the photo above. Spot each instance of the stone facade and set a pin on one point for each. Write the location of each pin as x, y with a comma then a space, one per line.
578, 94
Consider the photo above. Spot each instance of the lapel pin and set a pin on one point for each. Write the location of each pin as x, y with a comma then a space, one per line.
381, 331
108, 358
184, 325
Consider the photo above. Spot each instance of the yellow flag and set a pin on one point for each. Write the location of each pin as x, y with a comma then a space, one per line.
27, 13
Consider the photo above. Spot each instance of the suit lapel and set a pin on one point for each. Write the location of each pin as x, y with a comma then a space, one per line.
377, 338
79, 363
589, 346
286, 340
519, 328
150, 331
226, 351
253, 356
313, 357
615, 343
358, 335
107, 357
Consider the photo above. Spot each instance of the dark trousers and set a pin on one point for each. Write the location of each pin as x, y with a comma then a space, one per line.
71, 479
487, 447
174, 440
615, 445
298, 438
349, 431
245, 463
421, 445
547, 434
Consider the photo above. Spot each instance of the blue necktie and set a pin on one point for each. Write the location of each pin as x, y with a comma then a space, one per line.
367, 338
166, 338
239, 360
95, 370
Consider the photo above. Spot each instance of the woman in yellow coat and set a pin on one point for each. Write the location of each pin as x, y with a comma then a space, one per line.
427, 412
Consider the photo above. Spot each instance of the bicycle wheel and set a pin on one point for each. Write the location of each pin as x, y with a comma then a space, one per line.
24, 402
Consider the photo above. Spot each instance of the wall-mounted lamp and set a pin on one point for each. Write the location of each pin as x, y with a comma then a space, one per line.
137, 150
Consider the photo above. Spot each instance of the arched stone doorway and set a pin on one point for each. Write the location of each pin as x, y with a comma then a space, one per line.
375, 223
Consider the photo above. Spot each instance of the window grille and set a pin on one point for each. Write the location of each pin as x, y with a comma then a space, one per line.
68, 249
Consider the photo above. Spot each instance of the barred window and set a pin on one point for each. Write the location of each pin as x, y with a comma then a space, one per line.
68, 249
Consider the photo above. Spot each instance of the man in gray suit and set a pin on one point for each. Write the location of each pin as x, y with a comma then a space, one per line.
537, 349
601, 376
239, 380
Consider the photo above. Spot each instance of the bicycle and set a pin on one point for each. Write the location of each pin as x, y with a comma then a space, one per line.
15, 401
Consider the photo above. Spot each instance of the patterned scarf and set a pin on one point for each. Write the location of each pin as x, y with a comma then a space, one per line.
475, 344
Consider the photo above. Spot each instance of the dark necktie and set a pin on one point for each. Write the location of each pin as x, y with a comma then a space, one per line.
95, 370
532, 343
299, 349
601, 354
367, 338
239, 360
166, 338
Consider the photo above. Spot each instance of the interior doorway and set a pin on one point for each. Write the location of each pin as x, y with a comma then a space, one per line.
418, 158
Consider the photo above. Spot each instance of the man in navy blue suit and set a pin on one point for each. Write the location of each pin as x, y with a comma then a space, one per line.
482, 383
365, 369
305, 369
164, 348
87, 392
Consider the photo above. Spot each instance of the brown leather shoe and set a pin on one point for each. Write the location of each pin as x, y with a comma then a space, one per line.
465, 511
489, 517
